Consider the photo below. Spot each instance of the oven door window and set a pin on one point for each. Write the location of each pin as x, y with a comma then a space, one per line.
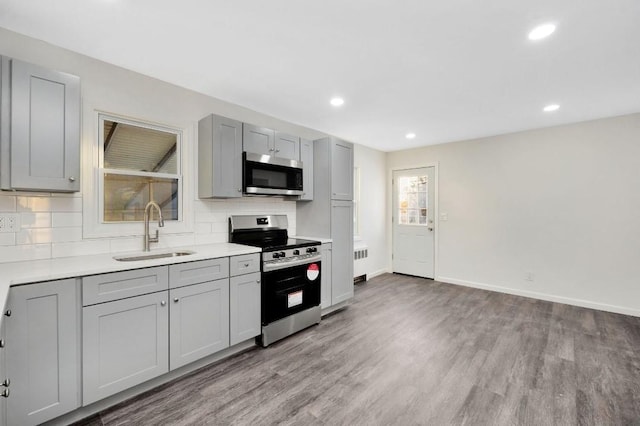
288, 291
262, 175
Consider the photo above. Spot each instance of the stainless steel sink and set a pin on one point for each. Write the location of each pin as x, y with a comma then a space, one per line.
135, 257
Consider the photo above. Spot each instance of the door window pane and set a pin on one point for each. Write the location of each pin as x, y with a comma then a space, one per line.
413, 199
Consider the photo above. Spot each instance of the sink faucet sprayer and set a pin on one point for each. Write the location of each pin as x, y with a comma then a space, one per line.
147, 212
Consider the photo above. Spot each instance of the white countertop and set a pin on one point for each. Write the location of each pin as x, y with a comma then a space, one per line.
321, 239
15, 273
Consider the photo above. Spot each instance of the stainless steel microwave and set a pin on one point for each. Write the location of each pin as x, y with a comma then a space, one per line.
268, 175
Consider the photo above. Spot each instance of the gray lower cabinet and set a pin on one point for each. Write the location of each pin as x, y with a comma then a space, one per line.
199, 324
342, 251
325, 279
41, 151
5, 390
306, 156
219, 157
125, 343
244, 300
42, 358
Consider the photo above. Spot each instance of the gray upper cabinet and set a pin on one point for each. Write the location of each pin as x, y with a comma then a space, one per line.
258, 140
264, 141
306, 156
41, 140
287, 146
199, 323
341, 170
42, 351
219, 157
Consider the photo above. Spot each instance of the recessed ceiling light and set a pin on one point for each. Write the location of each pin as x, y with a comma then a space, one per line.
551, 108
542, 31
337, 102
410, 136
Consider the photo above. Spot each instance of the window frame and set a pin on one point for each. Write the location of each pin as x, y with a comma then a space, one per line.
94, 225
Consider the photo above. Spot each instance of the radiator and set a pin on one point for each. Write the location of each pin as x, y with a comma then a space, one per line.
360, 255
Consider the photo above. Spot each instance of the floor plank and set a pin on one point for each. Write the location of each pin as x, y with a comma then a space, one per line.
410, 351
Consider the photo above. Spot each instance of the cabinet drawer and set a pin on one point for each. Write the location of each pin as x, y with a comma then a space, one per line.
119, 285
244, 264
198, 272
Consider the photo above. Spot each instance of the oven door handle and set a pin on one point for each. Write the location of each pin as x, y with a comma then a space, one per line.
267, 267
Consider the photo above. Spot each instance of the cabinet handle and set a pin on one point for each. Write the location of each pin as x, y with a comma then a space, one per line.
8, 313
72, 179
5, 393
271, 149
176, 300
163, 303
246, 265
6, 382
239, 190
277, 150
1, 343
258, 281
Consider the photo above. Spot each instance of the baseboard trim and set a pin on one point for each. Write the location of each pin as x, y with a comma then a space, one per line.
543, 296
376, 273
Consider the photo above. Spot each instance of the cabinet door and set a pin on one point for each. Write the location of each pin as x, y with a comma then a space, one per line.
342, 250
42, 351
199, 321
287, 146
45, 129
124, 343
244, 300
306, 156
5, 128
258, 140
341, 170
219, 157
325, 279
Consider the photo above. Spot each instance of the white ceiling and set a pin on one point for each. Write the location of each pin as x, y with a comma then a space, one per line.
446, 70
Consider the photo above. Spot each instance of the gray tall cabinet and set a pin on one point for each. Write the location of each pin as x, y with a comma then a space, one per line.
330, 214
39, 128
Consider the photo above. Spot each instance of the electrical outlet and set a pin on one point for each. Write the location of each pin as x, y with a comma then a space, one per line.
528, 276
9, 222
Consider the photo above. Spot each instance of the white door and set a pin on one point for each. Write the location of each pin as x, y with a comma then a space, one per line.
413, 221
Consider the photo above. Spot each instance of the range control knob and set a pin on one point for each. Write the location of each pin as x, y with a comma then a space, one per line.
312, 249
282, 254
296, 252
275, 255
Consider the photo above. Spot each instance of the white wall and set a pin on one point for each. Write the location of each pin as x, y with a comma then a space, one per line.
562, 203
373, 210
52, 224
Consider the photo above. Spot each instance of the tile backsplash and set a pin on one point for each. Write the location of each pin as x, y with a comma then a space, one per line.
51, 225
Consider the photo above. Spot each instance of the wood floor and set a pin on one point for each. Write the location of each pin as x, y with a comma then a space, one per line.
417, 352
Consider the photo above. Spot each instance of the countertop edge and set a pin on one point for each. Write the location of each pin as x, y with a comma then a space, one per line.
31, 272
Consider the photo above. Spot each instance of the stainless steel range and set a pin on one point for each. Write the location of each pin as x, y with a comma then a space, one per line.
291, 273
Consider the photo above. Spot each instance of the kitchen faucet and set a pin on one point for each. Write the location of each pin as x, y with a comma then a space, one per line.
147, 212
